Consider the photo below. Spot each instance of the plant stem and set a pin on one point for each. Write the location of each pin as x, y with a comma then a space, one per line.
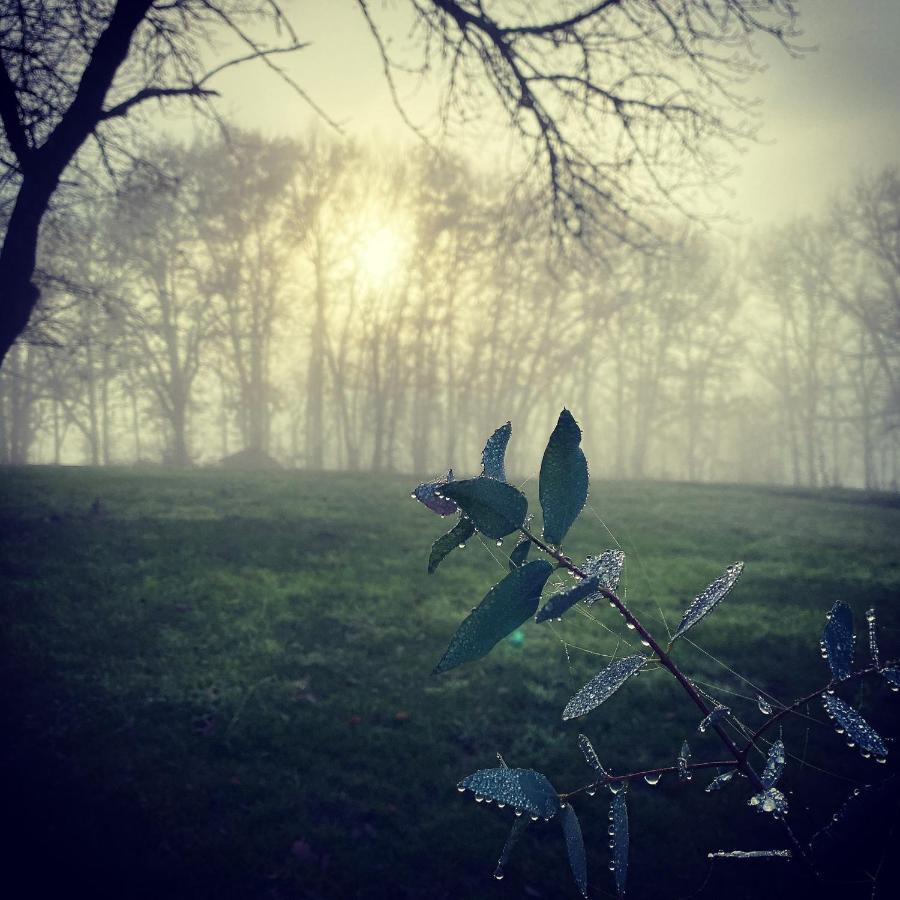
663, 770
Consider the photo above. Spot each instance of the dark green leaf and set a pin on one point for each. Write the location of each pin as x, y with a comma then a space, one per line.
520, 823
711, 597
603, 685
455, 537
494, 507
607, 567
684, 758
619, 842
575, 846
720, 781
563, 486
519, 554
493, 455
523, 789
504, 608
855, 727
837, 640
562, 602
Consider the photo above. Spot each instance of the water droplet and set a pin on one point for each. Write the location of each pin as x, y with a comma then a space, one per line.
881, 759
518, 812
463, 547
764, 706
616, 786
461, 789
535, 818
500, 543
652, 778
591, 791
629, 626
498, 874
479, 798
413, 495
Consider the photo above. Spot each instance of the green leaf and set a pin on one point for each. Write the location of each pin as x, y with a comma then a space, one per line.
504, 608
590, 755
855, 727
455, 537
837, 640
563, 486
561, 603
603, 685
494, 453
575, 846
608, 568
495, 508
523, 789
618, 814
520, 823
712, 596
519, 554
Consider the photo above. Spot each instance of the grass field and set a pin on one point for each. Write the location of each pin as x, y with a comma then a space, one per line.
218, 685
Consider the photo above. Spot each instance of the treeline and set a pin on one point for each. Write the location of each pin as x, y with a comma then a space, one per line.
327, 305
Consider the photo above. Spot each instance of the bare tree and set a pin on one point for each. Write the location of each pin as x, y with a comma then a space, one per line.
617, 102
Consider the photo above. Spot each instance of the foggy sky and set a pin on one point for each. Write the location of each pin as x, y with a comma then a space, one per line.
826, 118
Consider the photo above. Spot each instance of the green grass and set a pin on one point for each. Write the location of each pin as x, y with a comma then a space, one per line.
218, 686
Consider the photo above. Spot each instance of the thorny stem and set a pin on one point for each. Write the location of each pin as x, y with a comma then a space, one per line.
663, 770
740, 755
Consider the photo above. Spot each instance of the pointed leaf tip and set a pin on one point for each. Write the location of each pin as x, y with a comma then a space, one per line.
430, 494
712, 596
446, 543
563, 485
603, 685
856, 728
495, 508
493, 457
560, 603
504, 608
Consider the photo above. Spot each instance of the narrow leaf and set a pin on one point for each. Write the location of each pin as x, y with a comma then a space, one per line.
749, 854
561, 603
873, 639
607, 567
603, 685
494, 507
494, 453
523, 789
575, 846
716, 715
590, 755
774, 765
720, 781
504, 608
519, 825
618, 814
455, 537
563, 485
684, 757
519, 554
837, 640
856, 728
710, 598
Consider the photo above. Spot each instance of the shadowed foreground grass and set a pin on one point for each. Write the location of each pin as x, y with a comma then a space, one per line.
218, 685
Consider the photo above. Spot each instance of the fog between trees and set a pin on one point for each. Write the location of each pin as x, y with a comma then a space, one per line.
333, 306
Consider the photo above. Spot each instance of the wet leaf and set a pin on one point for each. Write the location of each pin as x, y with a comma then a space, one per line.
705, 603
684, 757
457, 535
575, 846
520, 823
856, 728
619, 818
504, 608
837, 640
873, 639
430, 494
720, 781
590, 755
716, 715
607, 567
770, 800
603, 685
495, 508
519, 554
563, 485
774, 765
523, 789
494, 453
559, 604
891, 675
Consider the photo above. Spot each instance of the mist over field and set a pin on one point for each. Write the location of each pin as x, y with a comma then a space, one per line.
387, 388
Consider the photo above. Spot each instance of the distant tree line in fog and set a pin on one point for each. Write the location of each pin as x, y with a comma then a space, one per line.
327, 305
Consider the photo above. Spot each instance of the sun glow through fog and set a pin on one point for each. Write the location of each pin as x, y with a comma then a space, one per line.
381, 254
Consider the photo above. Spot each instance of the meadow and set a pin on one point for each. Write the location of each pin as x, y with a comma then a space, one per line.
219, 685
